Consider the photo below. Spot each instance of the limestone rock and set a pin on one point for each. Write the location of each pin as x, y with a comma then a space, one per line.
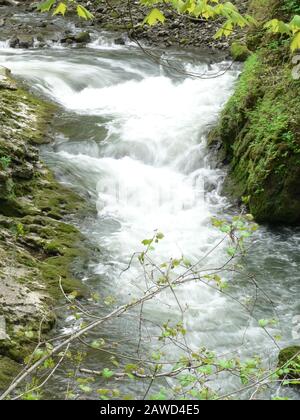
3, 335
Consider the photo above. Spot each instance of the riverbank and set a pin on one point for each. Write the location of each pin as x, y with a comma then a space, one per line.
37, 247
259, 131
114, 16
36, 230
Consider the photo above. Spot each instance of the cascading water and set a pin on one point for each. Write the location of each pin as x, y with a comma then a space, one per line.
132, 137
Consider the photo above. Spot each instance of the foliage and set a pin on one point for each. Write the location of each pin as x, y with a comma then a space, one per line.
197, 9
291, 6
291, 29
5, 161
259, 129
60, 8
190, 375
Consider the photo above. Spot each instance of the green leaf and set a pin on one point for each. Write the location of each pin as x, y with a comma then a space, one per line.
29, 334
107, 373
231, 251
263, 322
84, 13
85, 388
46, 5
98, 344
147, 242
295, 24
295, 44
225, 229
60, 10
73, 295
154, 17
160, 235
276, 26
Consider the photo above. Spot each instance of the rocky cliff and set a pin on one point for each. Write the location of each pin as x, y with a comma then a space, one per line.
259, 130
36, 246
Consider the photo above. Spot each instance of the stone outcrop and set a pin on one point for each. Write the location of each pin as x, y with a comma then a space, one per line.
259, 131
37, 247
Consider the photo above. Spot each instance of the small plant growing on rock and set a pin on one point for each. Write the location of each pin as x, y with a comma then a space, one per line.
5, 161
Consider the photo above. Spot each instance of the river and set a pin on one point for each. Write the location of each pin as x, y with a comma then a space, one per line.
130, 136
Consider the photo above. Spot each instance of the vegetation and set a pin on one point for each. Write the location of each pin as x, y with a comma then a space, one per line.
193, 371
259, 132
36, 246
259, 129
208, 9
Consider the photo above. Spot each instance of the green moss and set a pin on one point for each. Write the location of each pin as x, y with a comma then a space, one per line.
37, 248
239, 52
247, 91
8, 370
16, 106
264, 9
290, 358
260, 133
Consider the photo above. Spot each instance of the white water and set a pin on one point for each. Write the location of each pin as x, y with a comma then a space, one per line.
136, 142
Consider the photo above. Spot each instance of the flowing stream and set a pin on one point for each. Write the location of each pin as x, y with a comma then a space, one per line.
131, 137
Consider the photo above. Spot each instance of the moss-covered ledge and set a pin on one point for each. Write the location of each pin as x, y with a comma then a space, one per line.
37, 246
259, 129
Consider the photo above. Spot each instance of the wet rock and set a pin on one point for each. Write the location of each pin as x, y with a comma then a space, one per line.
21, 41
9, 3
4, 72
120, 41
35, 248
5, 80
239, 52
26, 171
82, 38
13, 42
42, 25
32, 7
26, 41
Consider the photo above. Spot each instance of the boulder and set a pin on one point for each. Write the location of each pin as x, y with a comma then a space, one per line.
21, 41
82, 38
26, 41
5, 80
120, 41
239, 52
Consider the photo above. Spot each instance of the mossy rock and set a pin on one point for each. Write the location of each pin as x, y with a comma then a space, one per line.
239, 52
37, 247
260, 134
290, 358
8, 370
83, 37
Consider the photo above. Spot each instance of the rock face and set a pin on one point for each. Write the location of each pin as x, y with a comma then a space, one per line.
36, 246
259, 131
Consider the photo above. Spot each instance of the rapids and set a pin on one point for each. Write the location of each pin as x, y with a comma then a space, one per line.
131, 137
